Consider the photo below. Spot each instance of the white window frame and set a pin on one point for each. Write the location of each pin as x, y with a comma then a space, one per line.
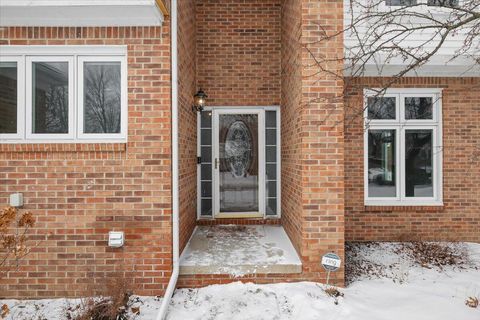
30, 135
20, 98
25, 55
123, 99
401, 125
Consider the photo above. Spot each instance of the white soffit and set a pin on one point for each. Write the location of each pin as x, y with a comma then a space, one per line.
437, 66
80, 13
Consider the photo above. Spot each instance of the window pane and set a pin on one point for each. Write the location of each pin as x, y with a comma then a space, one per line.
271, 171
381, 108
381, 163
400, 2
206, 136
206, 173
206, 207
102, 97
206, 154
271, 189
50, 97
418, 163
271, 154
271, 137
443, 3
8, 97
418, 108
206, 119
206, 189
271, 119
271, 207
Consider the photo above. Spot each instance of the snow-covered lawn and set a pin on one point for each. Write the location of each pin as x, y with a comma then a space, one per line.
398, 288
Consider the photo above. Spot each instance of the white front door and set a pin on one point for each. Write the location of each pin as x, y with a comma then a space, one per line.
238, 163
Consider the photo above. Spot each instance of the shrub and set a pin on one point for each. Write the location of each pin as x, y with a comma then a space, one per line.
14, 226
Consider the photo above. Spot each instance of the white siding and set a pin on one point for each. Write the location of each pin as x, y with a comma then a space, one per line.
420, 41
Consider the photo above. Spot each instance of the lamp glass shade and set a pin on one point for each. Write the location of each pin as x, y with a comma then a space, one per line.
200, 99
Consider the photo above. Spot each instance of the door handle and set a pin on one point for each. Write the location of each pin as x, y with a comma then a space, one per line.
216, 163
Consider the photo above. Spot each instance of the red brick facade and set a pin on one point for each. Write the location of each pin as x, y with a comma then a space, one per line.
242, 53
79, 192
238, 51
187, 86
312, 154
291, 121
459, 217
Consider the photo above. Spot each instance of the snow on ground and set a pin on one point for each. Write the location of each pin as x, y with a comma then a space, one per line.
62, 309
403, 290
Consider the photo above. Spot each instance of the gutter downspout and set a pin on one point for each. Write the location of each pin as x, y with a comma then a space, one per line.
175, 197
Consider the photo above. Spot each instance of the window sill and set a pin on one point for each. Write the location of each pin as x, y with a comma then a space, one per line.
411, 207
65, 147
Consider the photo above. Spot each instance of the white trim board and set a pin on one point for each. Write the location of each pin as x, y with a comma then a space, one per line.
110, 50
80, 13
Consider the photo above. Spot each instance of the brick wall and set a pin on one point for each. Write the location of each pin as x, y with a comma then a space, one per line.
312, 146
322, 152
187, 119
291, 121
79, 192
238, 47
459, 217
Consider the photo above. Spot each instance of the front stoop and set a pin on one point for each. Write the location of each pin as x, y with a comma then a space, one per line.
239, 250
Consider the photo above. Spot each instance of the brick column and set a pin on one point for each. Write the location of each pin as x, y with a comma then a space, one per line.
322, 151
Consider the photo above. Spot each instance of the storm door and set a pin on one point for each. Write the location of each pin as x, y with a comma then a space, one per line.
238, 163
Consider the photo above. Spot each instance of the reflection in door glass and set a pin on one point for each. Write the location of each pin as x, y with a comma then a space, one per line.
238, 162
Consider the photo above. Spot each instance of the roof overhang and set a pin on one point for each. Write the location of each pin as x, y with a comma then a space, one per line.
437, 66
82, 13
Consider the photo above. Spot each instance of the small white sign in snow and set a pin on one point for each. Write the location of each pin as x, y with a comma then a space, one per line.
331, 262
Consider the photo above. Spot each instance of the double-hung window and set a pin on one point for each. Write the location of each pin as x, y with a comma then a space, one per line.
63, 94
403, 147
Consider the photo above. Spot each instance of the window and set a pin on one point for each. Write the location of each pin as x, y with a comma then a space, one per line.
443, 3
403, 162
100, 97
65, 94
49, 102
402, 3
272, 148
11, 97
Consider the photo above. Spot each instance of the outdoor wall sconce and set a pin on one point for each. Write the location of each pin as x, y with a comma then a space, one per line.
199, 100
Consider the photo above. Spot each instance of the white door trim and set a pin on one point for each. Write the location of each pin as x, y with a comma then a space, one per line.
261, 163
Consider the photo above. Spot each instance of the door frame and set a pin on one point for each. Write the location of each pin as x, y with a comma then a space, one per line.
262, 162
216, 113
